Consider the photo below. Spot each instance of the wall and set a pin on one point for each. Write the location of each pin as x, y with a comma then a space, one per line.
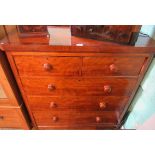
142, 114
149, 29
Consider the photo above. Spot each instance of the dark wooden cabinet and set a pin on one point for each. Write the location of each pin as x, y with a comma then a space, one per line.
126, 34
77, 87
32, 30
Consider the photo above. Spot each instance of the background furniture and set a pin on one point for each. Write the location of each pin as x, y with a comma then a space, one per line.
12, 111
125, 34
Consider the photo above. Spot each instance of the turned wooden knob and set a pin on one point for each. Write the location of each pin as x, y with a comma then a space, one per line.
107, 89
47, 67
53, 105
113, 68
51, 87
54, 119
98, 119
1, 117
102, 105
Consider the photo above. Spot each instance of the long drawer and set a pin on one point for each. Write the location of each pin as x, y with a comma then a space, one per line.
72, 66
79, 86
89, 103
56, 118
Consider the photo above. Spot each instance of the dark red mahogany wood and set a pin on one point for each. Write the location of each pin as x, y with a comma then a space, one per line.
90, 86
126, 34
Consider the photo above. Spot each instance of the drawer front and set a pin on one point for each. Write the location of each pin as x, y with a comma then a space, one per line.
118, 66
90, 103
9, 118
48, 118
78, 86
47, 66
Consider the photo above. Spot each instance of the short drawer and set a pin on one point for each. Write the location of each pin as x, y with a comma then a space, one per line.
109, 66
10, 118
82, 103
48, 118
79, 86
47, 66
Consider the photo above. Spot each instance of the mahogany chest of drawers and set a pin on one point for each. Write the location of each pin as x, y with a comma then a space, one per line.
72, 87
77, 91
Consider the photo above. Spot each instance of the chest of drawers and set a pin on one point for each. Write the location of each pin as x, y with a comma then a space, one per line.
71, 87
71, 92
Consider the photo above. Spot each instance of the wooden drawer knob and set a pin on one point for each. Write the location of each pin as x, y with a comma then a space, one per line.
98, 119
53, 105
113, 68
51, 87
107, 89
54, 119
102, 105
1, 117
47, 67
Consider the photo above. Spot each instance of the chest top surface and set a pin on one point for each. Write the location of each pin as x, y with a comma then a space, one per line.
13, 41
